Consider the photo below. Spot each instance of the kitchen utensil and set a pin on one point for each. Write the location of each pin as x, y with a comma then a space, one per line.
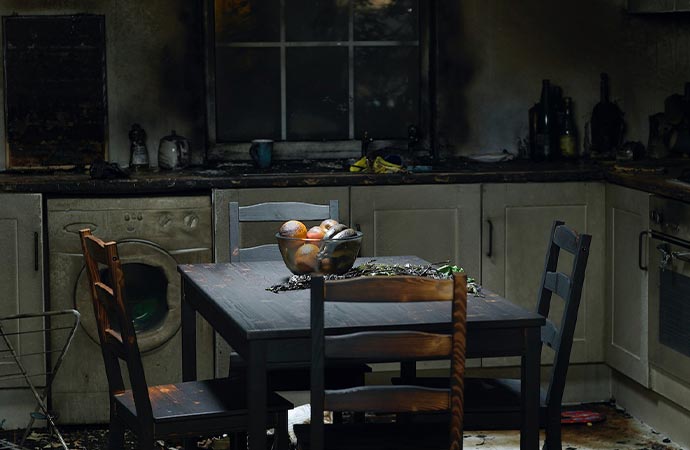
173, 152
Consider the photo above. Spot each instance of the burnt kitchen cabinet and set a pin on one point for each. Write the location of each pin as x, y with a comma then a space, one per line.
435, 222
254, 233
516, 221
627, 215
21, 280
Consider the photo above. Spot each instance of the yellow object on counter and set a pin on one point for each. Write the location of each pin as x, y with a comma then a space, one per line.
361, 165
383, 166
379, 165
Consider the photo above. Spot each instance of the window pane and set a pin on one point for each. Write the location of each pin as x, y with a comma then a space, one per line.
394, 20
247, 93
386, 90
317, 93
247, 20
316, 20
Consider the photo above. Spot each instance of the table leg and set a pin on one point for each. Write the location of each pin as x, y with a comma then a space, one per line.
529, 433
256, 395
188, 339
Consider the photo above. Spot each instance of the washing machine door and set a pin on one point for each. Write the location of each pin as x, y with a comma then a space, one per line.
152, 290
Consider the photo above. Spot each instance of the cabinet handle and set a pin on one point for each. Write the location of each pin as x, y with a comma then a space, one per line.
639, 251
491, 238
35, 251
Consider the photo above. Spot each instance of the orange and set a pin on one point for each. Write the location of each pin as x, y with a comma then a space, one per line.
293, 229
315, 233
328, 224
306, 258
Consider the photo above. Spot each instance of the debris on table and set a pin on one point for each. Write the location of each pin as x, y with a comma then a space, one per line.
371, 268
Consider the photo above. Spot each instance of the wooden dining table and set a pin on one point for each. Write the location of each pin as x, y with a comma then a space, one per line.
272, 329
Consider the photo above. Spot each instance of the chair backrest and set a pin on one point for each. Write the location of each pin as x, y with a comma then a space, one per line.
382, 346
115, 327
568, 288
271, 212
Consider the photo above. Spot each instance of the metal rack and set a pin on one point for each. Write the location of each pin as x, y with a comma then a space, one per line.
36, 367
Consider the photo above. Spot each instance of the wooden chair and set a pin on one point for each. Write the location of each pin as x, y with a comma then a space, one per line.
495, 403
182, 410
284, 379
386, 346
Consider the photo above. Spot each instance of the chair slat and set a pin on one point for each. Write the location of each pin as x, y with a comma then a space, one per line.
549, 334
373, 346
566, 238
266, 252
277, 211
389, 289
390, 399
559, 283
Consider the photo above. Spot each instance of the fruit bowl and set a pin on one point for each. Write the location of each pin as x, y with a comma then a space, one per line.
320, 256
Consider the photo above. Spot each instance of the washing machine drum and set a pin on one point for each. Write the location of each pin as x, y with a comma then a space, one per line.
152, 290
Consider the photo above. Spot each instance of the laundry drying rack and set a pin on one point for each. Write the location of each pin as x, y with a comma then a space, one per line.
35, 365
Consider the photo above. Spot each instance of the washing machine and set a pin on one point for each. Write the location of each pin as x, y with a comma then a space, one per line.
154, 235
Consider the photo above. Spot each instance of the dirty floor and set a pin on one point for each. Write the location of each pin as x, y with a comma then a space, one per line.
618, 431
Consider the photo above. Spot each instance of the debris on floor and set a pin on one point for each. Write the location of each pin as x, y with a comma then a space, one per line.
619, 431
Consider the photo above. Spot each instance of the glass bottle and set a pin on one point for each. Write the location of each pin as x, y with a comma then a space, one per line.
606, 125
543, 148
139, 154
568, 139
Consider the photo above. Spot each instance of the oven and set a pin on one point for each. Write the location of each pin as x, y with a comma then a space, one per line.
669, 288
154, 234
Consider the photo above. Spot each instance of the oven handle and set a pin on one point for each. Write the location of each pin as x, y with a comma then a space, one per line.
639, 250
664, 238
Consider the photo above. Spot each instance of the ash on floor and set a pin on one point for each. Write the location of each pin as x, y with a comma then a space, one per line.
620, 431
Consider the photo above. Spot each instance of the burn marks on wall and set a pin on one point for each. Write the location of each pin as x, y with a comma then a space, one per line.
55, 90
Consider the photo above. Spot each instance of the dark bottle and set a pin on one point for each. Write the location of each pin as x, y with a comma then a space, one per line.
606, 125
543, 134
567, 142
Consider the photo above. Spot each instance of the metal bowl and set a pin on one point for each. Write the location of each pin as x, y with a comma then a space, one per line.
320, 256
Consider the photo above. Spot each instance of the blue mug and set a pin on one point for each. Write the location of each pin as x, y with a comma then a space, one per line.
261, 152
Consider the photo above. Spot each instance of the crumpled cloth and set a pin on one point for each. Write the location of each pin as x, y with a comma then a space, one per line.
389, 164
101, 170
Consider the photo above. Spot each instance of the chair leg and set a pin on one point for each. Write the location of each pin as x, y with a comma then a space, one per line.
116, 435
553, 435
239, 441
281, 438
146, 440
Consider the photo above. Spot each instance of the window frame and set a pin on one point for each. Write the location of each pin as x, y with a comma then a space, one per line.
326, 149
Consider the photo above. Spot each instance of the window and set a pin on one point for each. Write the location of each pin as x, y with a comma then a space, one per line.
316, 70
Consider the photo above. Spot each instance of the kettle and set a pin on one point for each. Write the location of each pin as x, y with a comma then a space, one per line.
173, 152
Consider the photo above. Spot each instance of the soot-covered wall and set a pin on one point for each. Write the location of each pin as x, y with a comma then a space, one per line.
493, 55
154, 54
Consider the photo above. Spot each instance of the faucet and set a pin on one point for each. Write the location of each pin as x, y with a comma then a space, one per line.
412, 138
366, 140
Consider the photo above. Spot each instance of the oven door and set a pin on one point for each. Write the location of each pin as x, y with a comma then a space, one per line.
669, 305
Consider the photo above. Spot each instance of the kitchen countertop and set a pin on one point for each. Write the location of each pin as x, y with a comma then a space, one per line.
289, 174
652, 176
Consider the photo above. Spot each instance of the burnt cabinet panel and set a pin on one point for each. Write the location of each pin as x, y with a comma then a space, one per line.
55, 90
